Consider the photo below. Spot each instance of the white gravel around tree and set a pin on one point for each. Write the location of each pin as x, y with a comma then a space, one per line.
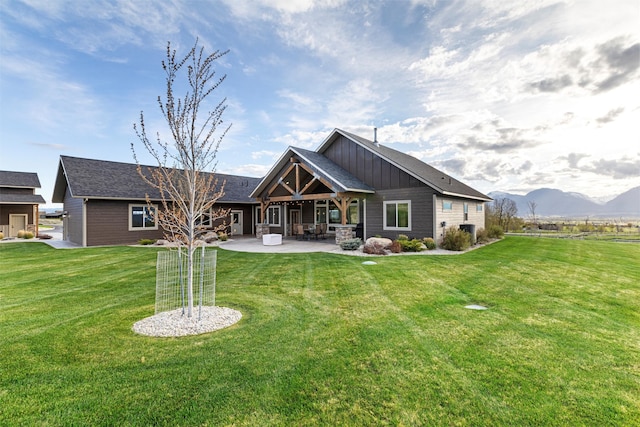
175, 324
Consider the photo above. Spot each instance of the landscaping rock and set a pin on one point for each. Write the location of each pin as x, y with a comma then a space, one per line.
377, 246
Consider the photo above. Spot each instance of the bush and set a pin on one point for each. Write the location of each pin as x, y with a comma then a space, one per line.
351, 244
495, 232
146, 241
456, 239
403, 237
21, 234
28, 235
482, 235
413, 245
222, 236
1, 235
429, 243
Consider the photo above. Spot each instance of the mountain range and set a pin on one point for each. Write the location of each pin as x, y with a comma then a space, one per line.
557, 203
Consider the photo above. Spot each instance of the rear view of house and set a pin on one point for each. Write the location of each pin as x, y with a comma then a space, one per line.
19, 202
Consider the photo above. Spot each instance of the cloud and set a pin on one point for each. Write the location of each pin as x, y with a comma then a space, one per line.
610, 116
623, 168
57, 147
573, 159
552, 84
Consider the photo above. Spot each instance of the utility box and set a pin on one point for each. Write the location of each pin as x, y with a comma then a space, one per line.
471, 229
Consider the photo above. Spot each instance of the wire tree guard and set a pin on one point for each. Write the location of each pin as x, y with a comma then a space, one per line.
171, 280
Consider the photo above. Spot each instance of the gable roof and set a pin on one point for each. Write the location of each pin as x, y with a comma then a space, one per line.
19, 180
100, 179
434, 178
342, 180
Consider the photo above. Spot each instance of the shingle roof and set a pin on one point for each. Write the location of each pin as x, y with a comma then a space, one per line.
436, 179
100, 179
342, 180
19, 179
20, 199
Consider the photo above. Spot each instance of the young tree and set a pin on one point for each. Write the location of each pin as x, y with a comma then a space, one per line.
532, 205
501, 212
186, 162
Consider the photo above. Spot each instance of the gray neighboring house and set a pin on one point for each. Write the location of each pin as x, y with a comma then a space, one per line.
105, 203
19, 202
359, 186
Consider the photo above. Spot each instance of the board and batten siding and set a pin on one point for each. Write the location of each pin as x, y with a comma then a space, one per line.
421, 212
369, 167
73, 219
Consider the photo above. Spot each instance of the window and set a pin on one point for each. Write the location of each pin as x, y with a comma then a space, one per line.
465, 208
397, 215
479, 207
142, 217
273, 215
447, 206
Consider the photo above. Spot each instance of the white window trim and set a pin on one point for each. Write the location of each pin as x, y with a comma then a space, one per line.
273, 224
143, 228
447, 209
479, 207
384, 215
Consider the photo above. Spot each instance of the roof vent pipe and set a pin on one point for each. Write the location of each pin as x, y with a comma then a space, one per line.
375, 136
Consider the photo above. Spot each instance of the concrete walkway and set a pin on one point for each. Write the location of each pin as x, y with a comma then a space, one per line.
289, 245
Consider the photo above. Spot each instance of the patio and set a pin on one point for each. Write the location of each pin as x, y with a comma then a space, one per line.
289, 245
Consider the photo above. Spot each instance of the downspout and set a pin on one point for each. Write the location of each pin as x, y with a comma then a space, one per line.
84, 222
364, 221
435, 217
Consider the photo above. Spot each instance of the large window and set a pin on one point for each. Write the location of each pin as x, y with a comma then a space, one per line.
329, 210
397, 215
142, 217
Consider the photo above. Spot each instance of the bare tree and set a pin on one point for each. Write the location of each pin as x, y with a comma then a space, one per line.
532, 205
501, 212
186, 162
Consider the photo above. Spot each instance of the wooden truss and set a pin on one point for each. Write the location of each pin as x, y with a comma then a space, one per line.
299, 190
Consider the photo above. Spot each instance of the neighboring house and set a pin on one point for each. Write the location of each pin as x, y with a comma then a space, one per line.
18, 202
105, 202
354, 184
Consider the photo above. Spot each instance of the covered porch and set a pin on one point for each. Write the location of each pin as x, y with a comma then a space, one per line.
305, 195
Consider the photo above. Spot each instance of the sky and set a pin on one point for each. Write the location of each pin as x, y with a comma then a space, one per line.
504, 95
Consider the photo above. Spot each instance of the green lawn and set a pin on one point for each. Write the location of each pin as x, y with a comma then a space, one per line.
325, 340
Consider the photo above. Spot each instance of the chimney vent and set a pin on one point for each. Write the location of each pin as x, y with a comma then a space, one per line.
375, 136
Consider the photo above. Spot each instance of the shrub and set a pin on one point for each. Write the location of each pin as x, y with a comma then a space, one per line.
351, 244
146, 241
222, 236
456, 239
482, 235
28, 235
1, 235
403, 237
429, 243
21, 234
395, 247
495, 232
413, 245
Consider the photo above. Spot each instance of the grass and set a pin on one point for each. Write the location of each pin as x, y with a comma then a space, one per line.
325, 340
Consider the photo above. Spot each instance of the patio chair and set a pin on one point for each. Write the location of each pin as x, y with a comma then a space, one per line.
321, 230
298, 231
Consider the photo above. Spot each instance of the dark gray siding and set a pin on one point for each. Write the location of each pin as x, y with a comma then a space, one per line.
421, 212
73, 220
368, 167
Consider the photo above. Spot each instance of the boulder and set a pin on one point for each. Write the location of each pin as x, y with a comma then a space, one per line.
377, 246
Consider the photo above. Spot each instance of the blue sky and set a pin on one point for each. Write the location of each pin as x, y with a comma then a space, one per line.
506, 96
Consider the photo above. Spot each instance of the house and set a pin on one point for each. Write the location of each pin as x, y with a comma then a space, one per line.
359, 186
104, 202
19, 202
350, 184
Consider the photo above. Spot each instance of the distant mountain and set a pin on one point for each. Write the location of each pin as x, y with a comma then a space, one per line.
552, 202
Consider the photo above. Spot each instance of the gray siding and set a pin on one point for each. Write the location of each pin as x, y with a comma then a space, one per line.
421, 212
73, 220
368, 167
